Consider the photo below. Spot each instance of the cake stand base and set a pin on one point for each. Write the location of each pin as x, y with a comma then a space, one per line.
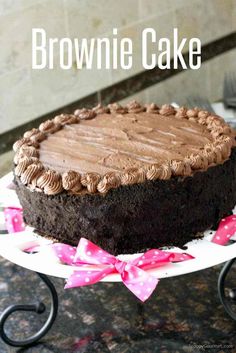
38, 308
228, 300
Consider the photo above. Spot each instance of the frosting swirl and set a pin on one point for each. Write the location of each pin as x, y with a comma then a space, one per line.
206, 159
28, 151
16, 146
167, 110
33, 182
215, 132
30, 172
85, 114
109, 180
117, 108
27, 143
165, 171
152, 108
50, 181
141, 175
71, 181
49, 127
65, 119
39, 137
181, 113
153, 172
209, 155
23, 164
214, 124
55, 187
215, 120
203, 114
130, 176
226, 140
101, 109
180, 168
31, 133
135, 107
202, 120
225, 150
90, 180
192, 113
33, 137
213, 154
46, 178
195, 161
218, 155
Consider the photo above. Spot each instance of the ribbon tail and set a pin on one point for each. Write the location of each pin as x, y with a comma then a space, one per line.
64, 252
145, 292
155, 258
139, 282
81, 278
225, 231
179, 257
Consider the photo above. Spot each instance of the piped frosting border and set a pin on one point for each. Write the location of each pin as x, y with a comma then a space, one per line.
37, 177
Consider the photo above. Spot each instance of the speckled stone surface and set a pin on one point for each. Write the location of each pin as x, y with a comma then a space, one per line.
183, 315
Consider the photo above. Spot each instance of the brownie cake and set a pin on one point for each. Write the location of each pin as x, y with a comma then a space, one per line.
127, 178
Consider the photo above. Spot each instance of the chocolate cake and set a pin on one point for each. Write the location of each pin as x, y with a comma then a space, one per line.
129, 177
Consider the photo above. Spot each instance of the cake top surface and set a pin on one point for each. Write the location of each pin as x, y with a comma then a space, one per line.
110, 143
95, 150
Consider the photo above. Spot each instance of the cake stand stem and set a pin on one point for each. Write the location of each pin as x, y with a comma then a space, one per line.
227, 300
38, 308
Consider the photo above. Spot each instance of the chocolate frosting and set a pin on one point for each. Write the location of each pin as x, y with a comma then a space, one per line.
31, 133
91, 181
117, 108
118, 142
65, 119
100, 109
152, 108
71, 181
135, 107
85, 113
107, 147
31, 171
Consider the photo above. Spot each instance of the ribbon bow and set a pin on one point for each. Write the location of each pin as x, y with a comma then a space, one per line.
133, 273
226, 229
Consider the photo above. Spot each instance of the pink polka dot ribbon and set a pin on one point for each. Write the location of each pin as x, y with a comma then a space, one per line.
133, 273
14, 219
226, 229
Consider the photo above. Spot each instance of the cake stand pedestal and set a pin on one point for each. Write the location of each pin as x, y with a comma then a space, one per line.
227, 300
38, 308
44, 263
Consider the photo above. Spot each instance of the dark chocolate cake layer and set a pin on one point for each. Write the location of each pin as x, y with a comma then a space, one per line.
131, 218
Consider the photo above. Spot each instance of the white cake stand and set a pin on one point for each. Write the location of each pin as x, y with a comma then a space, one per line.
44, 263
